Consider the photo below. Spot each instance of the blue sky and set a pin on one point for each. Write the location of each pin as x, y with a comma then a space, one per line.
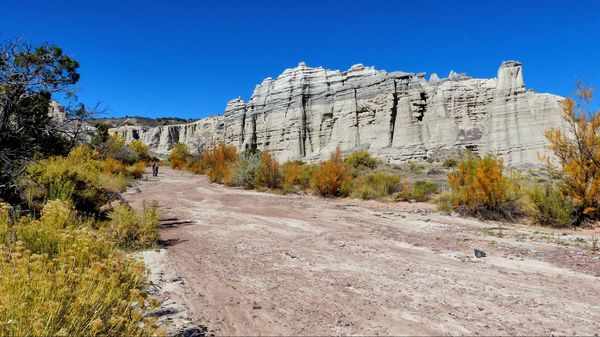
188, 58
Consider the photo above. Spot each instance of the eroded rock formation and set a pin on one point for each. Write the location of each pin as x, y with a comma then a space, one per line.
306, 112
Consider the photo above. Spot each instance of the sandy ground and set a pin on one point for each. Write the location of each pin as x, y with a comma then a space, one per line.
256, 263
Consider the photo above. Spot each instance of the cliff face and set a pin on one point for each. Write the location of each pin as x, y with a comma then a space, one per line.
306, 112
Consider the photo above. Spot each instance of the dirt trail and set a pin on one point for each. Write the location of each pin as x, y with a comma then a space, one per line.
263, 264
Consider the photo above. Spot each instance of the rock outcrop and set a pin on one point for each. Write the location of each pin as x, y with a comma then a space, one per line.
306, 112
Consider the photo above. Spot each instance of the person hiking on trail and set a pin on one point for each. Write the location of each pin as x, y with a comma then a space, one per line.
156, 169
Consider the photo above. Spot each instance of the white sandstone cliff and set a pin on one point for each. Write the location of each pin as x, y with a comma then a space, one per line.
306, 112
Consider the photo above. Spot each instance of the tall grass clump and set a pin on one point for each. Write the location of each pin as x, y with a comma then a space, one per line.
480, 188
330, 176
217, 162
59, 277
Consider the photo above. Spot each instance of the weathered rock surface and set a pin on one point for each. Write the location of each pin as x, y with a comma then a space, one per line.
306, 112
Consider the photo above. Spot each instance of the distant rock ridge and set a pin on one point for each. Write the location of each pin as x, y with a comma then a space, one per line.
306, 112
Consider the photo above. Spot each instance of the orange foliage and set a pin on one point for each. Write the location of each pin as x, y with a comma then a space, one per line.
217, 162
480, 188
137, 170
577, 151
113, 166
292, 172
269, 174
331, 175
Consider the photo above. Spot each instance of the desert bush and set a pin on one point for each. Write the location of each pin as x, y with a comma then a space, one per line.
292, 170
269, 174
112, 166
137, 170
330, 176
577, 154
297, 173
449, 163
139, 151
415, 167
179, 155
195, 165
74, 178
131, 231
480, 188
217, 162
360, 160
422, 190
374, 185
245, 170
550, 207
60, 278
444, 202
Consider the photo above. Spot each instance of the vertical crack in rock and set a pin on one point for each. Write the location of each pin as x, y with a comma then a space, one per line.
303, 128
243, 128
357, 135
253, 140
394, 113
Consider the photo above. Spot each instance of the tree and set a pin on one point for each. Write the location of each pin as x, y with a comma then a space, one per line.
577, 153
28, 79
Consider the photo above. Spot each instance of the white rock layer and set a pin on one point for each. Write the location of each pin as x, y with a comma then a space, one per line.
306, 112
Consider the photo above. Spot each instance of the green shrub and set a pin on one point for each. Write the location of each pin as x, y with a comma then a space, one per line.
131, 231
444, 202
245, 170
360, 160
374, 185
550, 207
415, 167
422, 190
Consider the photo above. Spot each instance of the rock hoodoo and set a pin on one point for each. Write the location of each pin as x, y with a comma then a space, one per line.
306, 112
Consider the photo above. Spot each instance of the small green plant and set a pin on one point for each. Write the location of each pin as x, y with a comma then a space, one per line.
423, 189
360, 160
444, 202
374, 185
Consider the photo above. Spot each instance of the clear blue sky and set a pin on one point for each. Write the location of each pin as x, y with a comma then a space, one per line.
188, 58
